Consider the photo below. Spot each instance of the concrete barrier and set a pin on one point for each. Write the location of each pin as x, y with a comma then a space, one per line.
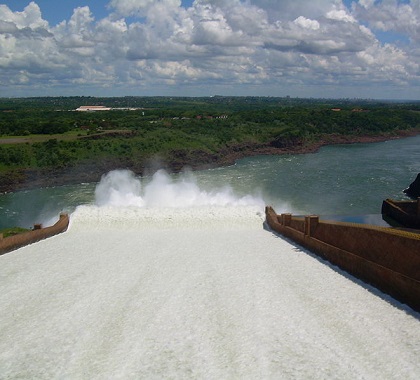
38, 233
386, 258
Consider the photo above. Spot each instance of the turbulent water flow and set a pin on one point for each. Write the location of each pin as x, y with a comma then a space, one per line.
339, 180
122, 188
176, 277
160, 279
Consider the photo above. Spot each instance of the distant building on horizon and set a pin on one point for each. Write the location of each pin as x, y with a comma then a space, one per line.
93, 108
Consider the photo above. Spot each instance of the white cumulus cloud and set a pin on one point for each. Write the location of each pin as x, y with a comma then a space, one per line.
140, 7
240, 46
307, 23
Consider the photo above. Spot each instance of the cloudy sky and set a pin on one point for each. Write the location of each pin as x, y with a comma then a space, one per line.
303, 48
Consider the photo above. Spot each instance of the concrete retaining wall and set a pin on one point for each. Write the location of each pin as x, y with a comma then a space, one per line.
386, 258
38, 233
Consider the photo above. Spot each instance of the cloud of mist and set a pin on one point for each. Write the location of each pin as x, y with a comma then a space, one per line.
121, 188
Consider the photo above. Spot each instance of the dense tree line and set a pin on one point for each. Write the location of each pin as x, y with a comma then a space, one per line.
164, 125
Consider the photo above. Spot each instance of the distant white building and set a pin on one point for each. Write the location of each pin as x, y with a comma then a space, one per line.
93, 108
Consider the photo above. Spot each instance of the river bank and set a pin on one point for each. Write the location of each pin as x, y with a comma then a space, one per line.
91, 171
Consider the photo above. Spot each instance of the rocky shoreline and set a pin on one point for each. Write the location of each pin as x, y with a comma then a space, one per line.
92, 171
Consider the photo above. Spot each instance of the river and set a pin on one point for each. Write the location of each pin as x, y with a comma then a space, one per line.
346, 180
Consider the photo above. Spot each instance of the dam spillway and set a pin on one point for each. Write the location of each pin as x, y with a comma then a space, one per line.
203, 292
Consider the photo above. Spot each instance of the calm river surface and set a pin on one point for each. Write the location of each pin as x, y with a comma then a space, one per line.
338, 180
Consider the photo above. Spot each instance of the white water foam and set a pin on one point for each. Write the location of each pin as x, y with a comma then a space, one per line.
122, 200
203, 292
122, 188
181, 218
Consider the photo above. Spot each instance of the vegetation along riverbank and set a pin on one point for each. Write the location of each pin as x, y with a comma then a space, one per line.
64, 140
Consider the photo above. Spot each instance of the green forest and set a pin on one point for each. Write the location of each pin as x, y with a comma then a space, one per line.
48, 133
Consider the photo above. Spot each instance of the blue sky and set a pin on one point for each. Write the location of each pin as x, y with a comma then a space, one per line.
56, 11
317, 48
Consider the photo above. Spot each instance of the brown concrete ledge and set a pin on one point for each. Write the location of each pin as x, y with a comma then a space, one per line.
38, 233
386, 258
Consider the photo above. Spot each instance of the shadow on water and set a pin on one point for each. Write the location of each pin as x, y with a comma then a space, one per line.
371, 219
370, 288
377, 220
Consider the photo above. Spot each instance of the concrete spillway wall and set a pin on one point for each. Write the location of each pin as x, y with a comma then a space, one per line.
38, 233
386, 258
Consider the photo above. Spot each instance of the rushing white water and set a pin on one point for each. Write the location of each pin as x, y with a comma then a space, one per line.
136, 289
122, 188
